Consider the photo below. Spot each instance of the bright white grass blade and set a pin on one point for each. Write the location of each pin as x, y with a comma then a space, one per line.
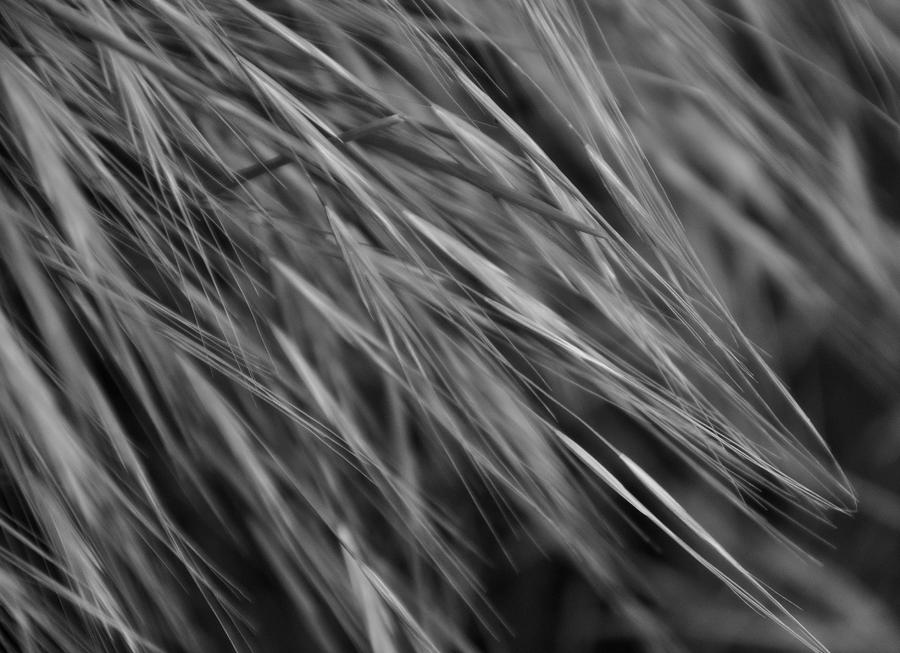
378, 621
760, 599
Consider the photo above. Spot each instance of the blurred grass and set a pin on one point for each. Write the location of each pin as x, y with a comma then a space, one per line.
530, 325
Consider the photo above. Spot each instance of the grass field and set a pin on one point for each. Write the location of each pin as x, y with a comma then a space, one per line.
503, 326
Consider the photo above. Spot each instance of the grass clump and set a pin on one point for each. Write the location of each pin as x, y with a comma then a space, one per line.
325, 323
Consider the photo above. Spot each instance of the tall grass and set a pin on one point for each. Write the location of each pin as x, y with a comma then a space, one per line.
323, 320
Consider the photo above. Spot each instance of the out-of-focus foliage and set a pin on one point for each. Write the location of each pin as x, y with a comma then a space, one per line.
525, 325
